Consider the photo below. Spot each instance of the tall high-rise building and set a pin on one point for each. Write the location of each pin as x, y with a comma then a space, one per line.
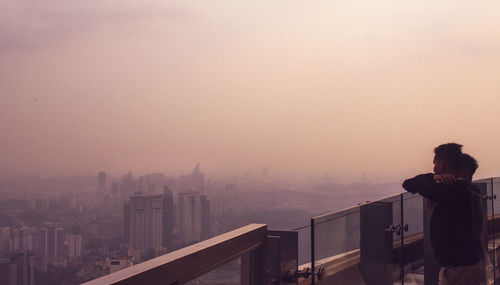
18, 269
115, 189
51, 241
155, 182
126, 220
8, 271
27, 238
142, 184
4, 239
168, 218
101, 182
146, 222
15, 240
194, 182
128, 186
74, 245
22, 239
194, 211
157, 179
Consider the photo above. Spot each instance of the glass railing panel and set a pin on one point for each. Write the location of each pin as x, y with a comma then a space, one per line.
336, 235
494, 187
413, 242
489, 208
304, 251
357, 245
490, 184
494, 239
491, 231
487, 186
397, 217
227, 274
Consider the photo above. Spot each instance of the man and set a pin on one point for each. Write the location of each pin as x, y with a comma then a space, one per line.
469, 167
453, 229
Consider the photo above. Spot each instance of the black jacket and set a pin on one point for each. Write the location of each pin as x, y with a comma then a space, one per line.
455, 225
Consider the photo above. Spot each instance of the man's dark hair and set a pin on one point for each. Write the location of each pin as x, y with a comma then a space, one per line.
469, 164
451, 153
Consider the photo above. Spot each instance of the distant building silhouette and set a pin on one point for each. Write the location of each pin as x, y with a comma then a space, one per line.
168, 218
4, 239
22, 239
101, 181
155, 182
146, 223
18, 269
74, 245
194, 182
126, 220
115, 189
128, 186
51, 241
194, 211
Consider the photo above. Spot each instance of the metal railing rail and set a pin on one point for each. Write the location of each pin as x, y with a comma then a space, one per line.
190, 262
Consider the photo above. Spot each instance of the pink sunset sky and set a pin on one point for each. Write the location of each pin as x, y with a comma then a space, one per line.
301, 87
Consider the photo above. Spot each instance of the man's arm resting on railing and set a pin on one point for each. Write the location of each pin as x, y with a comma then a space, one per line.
425, 185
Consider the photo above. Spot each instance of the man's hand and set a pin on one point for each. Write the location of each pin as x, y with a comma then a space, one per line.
446, 179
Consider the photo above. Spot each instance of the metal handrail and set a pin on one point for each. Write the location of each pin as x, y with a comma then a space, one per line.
347, 211
352, 209
190, 262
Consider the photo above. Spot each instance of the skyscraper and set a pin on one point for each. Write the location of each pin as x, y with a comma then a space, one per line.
17, 269
74, 245
101, 182
115, 189
194, 211
168, 218
27, 238
126, 220
4, 239
194, 182
128, 186
21, 239
51, 241
146, 222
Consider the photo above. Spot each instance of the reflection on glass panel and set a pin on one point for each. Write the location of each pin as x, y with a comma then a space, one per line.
227, 274
304, 244
337, 233
336, 242
494, 185
396, 220
359, 245
413, 238
492, 188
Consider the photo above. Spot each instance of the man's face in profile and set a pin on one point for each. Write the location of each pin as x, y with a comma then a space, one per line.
438, 166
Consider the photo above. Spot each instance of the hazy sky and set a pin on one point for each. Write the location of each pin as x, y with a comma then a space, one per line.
304, 87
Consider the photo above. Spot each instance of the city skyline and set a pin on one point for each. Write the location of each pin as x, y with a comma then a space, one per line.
262, 139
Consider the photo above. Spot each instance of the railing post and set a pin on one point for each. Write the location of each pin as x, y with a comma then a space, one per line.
402, 235
288, 256
251, 267
493, 197
271, 262
376, 243
312, 252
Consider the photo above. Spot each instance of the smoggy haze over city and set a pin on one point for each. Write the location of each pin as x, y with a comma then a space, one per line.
343, 88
